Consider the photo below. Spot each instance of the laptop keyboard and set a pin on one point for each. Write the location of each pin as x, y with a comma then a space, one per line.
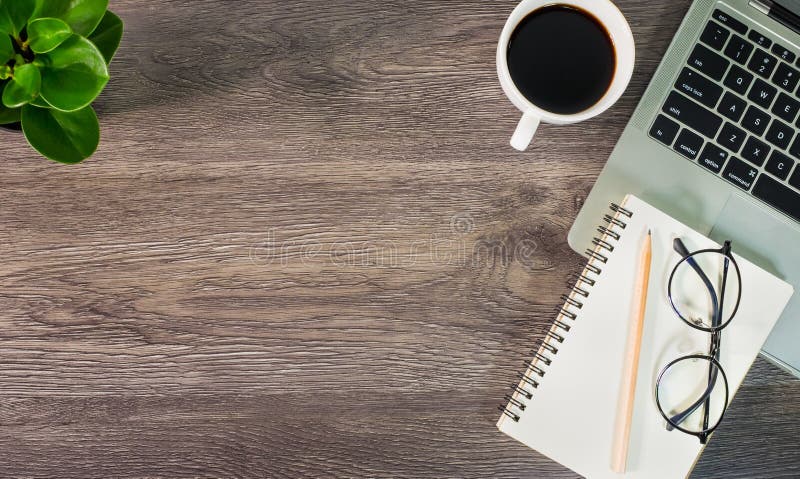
734, 110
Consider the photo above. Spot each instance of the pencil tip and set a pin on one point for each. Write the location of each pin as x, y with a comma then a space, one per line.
649, 232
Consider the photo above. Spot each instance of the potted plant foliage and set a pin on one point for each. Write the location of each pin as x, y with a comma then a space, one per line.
54, 57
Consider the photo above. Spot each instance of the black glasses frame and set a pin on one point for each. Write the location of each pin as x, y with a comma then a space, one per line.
717, 325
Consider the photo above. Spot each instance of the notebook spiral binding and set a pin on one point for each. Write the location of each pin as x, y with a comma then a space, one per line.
579, 287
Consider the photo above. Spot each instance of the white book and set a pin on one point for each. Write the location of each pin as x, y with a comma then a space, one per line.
570, 416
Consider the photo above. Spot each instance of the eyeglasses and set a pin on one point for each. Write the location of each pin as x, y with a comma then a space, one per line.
704, 291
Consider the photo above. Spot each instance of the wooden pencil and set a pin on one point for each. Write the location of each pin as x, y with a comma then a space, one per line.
622, 430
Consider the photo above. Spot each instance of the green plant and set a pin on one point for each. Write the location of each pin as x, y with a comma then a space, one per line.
54, 57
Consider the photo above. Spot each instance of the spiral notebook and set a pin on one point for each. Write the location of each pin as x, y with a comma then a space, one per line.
566, 401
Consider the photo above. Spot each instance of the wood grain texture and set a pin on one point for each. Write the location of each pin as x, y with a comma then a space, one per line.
305, 249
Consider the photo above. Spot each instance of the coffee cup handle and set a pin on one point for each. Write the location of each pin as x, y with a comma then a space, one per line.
525, 130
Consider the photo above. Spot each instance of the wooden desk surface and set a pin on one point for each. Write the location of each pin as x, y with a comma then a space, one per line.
305, 249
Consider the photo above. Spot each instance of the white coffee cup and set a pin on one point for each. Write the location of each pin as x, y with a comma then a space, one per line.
621, 37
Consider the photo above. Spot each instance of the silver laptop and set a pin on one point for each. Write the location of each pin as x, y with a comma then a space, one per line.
715, 142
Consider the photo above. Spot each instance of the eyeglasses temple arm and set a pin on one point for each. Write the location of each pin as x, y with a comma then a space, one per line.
680, 248
681, 416
716, 337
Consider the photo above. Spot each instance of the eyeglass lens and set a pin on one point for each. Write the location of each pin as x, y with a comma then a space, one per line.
692, 394
705, 289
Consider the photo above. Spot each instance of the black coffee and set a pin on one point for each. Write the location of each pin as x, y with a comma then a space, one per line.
562, 59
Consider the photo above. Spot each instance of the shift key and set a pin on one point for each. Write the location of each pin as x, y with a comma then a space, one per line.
692, 115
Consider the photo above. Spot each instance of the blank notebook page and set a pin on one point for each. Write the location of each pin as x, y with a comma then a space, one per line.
570, 417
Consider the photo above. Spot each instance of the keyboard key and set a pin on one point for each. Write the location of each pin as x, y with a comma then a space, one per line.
786, 107
738, 80
786, 77
783, 53
795, 179
693, 115
739, 49
708, 62
778, 195
762, 93
755, 120
731, 137
664, 130
759, 39
715, 35
762, 63
795, 149
729, 22
755, 151
740, 173
688, 144
699, 87
779, 165
732, 106
780, 134
713, 157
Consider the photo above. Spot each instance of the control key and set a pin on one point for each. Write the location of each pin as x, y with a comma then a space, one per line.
688, 144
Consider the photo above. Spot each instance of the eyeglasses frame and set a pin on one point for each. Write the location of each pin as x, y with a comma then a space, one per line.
715, 343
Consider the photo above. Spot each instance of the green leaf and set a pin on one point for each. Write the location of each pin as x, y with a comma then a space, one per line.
14, 14
81, 15
73, 74
44, 34
6, 49
23, 87
107, 35
39, 101
9, 115
66, 137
